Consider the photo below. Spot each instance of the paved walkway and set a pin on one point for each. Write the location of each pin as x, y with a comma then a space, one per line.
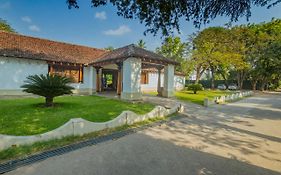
242, 138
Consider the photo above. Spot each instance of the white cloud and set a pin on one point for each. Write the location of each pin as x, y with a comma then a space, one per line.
26, 19
123, 29
101, 15
5, 5
34, 28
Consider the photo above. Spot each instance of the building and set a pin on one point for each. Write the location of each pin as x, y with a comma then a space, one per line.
123, 70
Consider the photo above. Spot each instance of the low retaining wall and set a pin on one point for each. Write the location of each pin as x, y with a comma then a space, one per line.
79, 126
227, 98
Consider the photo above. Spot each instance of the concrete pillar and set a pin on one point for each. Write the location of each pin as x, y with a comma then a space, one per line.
119, 79
168, 90
159, 91
131, 79
91, 80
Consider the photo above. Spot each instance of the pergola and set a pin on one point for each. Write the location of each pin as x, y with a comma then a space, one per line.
129, 61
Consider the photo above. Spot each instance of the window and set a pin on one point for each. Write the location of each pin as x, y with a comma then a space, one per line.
144, 78
73, 72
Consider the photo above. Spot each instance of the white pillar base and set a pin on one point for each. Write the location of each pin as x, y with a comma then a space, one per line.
168, 90
167, 94
131, 96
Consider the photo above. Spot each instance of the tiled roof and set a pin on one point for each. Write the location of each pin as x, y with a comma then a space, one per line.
15, 45
132, 51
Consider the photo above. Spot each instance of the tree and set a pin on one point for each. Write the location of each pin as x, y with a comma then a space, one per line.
195, 88
174, 48
5, 26
263, 53
211, 51
141, 44
165, 15
48, 86
109, 48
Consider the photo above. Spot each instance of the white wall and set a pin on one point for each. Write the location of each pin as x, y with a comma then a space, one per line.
179, 82
13, 71
88, 86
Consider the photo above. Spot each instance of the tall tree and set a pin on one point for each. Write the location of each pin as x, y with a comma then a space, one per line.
263, 49
164, 16
174, 48
141, 44
209, 46
5, 26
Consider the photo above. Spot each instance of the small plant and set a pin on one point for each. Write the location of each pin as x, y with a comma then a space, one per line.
48, 86
195, 87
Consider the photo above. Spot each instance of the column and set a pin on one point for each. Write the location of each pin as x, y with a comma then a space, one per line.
131, 88
168, 90
91, 80
159, 82
119, 78
98, 79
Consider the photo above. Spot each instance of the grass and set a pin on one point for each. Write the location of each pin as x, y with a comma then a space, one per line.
200, 96
195, 98
27, 116
26, 150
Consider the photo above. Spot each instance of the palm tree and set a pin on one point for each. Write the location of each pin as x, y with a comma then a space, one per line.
141, 44
48, 86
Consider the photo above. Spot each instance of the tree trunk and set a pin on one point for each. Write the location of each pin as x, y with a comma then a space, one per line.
49, 101
199, 74
240, 78
254, 85
263, 83
213, 78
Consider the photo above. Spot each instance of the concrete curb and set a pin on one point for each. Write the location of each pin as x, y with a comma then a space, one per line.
79, 126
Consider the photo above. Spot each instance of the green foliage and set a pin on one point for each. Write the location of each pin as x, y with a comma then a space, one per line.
5, 26
141, 44
174, 48
247, 51
166, 15
109, 48
48, 86
195, 88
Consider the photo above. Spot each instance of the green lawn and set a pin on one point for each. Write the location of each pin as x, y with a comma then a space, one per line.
27, 116
195, 98
200, 96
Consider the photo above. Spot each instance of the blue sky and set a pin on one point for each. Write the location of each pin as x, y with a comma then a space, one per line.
95, 27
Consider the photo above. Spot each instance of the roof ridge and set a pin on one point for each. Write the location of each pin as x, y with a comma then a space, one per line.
45, 39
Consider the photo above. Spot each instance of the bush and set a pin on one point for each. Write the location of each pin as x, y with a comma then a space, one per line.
195, 87
48, 86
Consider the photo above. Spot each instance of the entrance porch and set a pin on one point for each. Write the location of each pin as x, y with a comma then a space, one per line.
120, 71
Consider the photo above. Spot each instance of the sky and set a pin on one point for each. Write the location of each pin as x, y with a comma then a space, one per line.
97, 27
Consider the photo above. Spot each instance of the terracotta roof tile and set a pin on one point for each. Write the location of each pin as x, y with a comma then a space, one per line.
15, 45
133, 51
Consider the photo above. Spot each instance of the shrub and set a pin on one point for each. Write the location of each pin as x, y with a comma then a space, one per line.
48, 86
195, 87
